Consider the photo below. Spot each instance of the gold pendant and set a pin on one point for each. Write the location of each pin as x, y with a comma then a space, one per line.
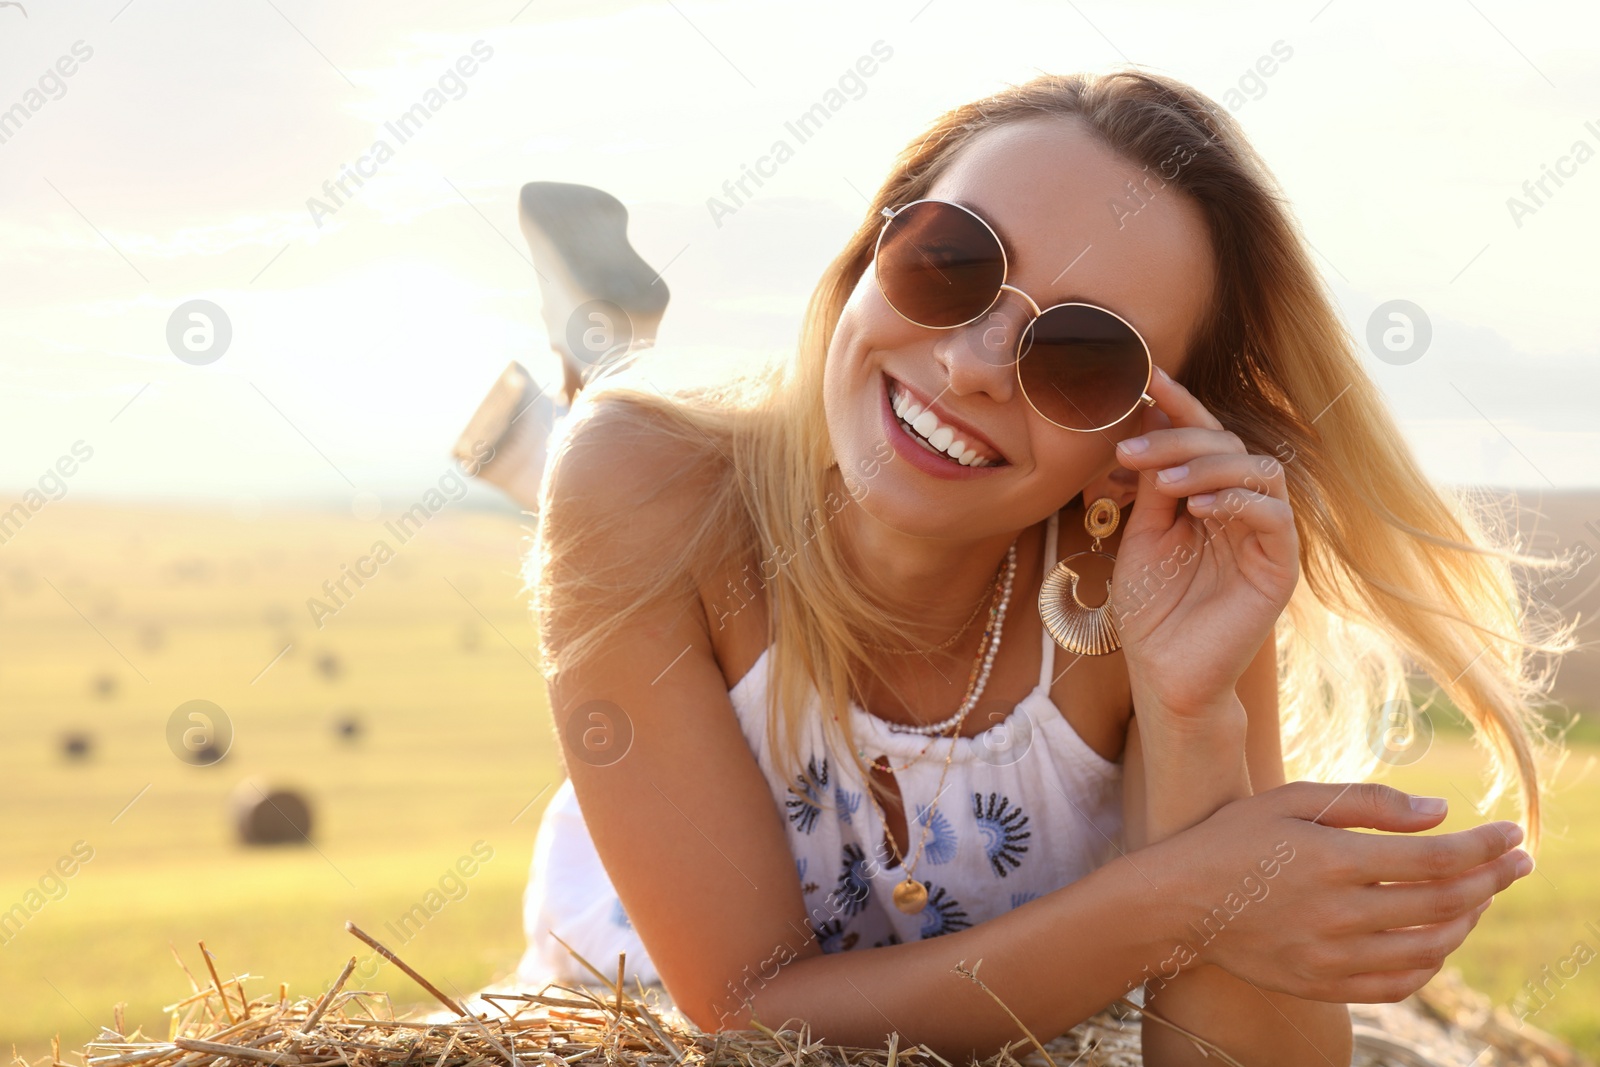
911, 896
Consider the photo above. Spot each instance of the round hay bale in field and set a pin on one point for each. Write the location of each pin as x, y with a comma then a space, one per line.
152, 637
328, 666
206, 755
348, 726
104, 685
77, 744
266, 815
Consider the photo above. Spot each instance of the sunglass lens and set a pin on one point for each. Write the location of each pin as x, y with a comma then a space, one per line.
1083, 367
939, 265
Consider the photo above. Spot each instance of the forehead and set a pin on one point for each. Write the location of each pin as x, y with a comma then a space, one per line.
1075, 230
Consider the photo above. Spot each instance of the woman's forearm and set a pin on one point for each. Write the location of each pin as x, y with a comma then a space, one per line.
1187, 778
1054, 961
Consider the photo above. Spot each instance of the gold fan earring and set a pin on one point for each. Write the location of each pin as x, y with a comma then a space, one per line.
1075, 625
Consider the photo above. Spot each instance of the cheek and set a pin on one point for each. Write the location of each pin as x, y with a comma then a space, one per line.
1068, 460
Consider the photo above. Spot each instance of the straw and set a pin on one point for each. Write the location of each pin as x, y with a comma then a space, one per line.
557, 1025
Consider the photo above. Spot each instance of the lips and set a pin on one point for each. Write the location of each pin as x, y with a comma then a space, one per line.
967, 432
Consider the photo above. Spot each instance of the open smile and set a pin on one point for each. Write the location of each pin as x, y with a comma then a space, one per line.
934, 441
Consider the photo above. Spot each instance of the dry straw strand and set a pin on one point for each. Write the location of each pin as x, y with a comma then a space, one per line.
1446, 1022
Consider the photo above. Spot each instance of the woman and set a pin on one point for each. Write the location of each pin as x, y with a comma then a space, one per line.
838, 721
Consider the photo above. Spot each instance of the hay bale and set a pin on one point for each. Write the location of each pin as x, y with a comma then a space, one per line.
76, 745
601, 1022
152, 637
348, 726
329, 667
264, 815
206, 754
104, 685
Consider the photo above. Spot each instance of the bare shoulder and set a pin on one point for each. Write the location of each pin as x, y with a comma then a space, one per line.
621, 451
628, 484
631, 501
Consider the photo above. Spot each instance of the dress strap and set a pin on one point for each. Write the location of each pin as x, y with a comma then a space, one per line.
1047, 650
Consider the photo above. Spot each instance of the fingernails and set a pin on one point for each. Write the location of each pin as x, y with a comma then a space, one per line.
1202, 499
1164, 375
1134, 445
1172, 474
1429, 805
1513, 833
1524, 864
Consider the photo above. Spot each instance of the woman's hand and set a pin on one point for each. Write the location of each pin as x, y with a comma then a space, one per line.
1195, 595
1274, 892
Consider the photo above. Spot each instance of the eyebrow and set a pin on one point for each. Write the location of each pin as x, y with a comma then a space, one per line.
1070, 298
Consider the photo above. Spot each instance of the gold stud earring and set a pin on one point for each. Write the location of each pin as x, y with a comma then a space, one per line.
1075, 625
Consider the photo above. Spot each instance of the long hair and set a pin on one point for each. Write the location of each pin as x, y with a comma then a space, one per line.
1392, 565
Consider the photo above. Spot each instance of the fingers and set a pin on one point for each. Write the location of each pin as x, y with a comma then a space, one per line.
1424, 948
1180, 404
1159, 447
1382, 987
1389, 907
1182, 450
1153, 510
1212, 472
1423, 859
1369, 804
1270, 519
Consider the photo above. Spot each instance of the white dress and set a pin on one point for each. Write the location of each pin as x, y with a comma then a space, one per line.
1028, 807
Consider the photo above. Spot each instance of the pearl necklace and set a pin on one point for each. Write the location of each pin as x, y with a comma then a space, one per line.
988, 645
910, 895
999, 615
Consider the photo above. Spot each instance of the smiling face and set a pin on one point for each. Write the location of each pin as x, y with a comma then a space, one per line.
1073, 231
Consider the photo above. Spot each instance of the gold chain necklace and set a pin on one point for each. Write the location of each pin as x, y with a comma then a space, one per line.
910, 895
947, 642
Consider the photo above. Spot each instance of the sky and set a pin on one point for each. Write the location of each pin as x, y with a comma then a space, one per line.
180, 158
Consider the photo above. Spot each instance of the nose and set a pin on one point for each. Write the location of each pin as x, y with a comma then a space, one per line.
982, 355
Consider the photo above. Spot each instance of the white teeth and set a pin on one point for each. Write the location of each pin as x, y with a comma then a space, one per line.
938, 437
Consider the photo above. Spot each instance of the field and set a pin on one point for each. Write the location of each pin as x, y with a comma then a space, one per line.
111, 618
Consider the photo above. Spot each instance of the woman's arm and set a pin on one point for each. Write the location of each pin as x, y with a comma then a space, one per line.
695, 846
1171, 783
687, 829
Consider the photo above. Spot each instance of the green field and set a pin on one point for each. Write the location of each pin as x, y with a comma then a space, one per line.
110, 618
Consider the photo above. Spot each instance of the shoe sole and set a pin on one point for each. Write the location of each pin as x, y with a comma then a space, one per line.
586, 230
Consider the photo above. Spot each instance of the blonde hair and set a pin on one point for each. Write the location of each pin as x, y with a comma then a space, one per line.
1391, 564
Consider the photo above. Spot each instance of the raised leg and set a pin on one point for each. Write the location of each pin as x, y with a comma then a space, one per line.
599, 301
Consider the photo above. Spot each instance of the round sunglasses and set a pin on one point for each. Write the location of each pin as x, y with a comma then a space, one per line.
1080, 366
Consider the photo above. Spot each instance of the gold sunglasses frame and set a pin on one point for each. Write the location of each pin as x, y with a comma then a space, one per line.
889, 214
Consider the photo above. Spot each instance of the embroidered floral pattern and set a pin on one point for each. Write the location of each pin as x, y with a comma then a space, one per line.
833, 937
1001, 824
804, 809
847, 801
943, 913
850, 895
941, 845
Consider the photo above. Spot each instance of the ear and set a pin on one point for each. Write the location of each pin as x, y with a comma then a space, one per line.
1120, 488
